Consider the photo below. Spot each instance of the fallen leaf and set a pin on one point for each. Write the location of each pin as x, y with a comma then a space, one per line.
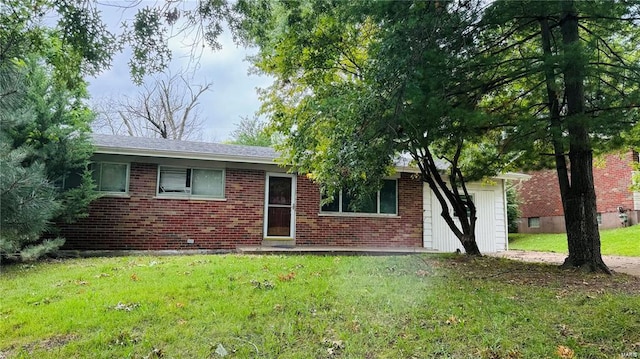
286, 277
452, 320
134, 277
564, 352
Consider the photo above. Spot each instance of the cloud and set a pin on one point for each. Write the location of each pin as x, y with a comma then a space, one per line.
234, 91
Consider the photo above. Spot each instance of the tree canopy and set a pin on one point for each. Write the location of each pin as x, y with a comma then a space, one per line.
565, 79
482, 86
465, 88
251, 132
45, 122
359, 85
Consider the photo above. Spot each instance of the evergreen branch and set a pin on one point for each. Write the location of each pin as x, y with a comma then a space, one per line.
625, 19
613, 87
605, 43
614, 108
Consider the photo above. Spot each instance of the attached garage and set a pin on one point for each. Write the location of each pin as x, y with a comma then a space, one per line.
491, 225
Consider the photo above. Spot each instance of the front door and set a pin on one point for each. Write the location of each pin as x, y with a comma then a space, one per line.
279, 211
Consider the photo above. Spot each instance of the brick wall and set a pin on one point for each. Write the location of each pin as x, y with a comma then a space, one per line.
612, 181
145, 222
142, 221
404, 230
540, 196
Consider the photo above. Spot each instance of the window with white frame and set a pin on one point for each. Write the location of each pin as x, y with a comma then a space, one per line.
111, 177
533, 222
190, 182
385, 201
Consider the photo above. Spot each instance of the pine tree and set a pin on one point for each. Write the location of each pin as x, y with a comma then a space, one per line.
27, 198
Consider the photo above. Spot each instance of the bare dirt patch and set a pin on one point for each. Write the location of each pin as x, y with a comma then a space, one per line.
547, 275
46, 344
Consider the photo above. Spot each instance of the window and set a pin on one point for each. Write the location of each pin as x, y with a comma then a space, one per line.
69, 180
464, 198
599, 218
533, 222
111, 177
190, 182
384, 201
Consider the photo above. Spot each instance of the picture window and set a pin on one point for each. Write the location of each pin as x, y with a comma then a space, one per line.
111, 177
190, 182
384, 201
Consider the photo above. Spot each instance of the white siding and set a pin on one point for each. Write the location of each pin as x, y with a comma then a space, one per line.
491, 231
427, 214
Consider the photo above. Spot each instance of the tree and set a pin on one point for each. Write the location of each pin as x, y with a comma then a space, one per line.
77, 45
57, 133
27, 199
44, 123
168, 108
564, 76
359, 84
513, 208
251, 132
28, 204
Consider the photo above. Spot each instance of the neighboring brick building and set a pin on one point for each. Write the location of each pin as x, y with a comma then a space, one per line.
161, 194
541, 205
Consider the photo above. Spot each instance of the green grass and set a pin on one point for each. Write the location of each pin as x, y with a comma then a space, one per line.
620, 242
313, 307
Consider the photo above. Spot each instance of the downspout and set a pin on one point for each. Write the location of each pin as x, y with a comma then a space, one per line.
506, 215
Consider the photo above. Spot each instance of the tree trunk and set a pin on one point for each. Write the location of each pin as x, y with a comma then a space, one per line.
470, 245
579, 199
445, 196
580, 213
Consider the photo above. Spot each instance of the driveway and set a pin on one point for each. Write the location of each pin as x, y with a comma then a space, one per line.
628, 265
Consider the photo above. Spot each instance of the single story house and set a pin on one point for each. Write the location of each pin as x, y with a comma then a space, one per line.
617, 204
162, 194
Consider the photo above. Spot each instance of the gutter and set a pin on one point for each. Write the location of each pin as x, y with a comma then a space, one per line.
184, 155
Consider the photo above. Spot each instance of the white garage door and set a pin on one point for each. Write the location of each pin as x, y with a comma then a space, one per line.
438, 235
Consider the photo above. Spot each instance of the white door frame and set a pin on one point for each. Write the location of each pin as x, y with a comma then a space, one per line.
292, 230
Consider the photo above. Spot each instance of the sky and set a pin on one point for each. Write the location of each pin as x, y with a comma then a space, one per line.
234, 91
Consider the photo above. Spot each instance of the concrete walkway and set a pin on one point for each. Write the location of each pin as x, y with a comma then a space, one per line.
628, 265
332, 250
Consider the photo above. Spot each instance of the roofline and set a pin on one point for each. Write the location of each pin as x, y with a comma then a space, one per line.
501, 176
513, 176
407, 169
127, 151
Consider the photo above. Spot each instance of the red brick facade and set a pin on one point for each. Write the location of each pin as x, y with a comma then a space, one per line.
540, 195
142, 221
405, 230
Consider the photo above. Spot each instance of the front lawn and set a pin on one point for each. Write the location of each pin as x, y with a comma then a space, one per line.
234, 306
620, 242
